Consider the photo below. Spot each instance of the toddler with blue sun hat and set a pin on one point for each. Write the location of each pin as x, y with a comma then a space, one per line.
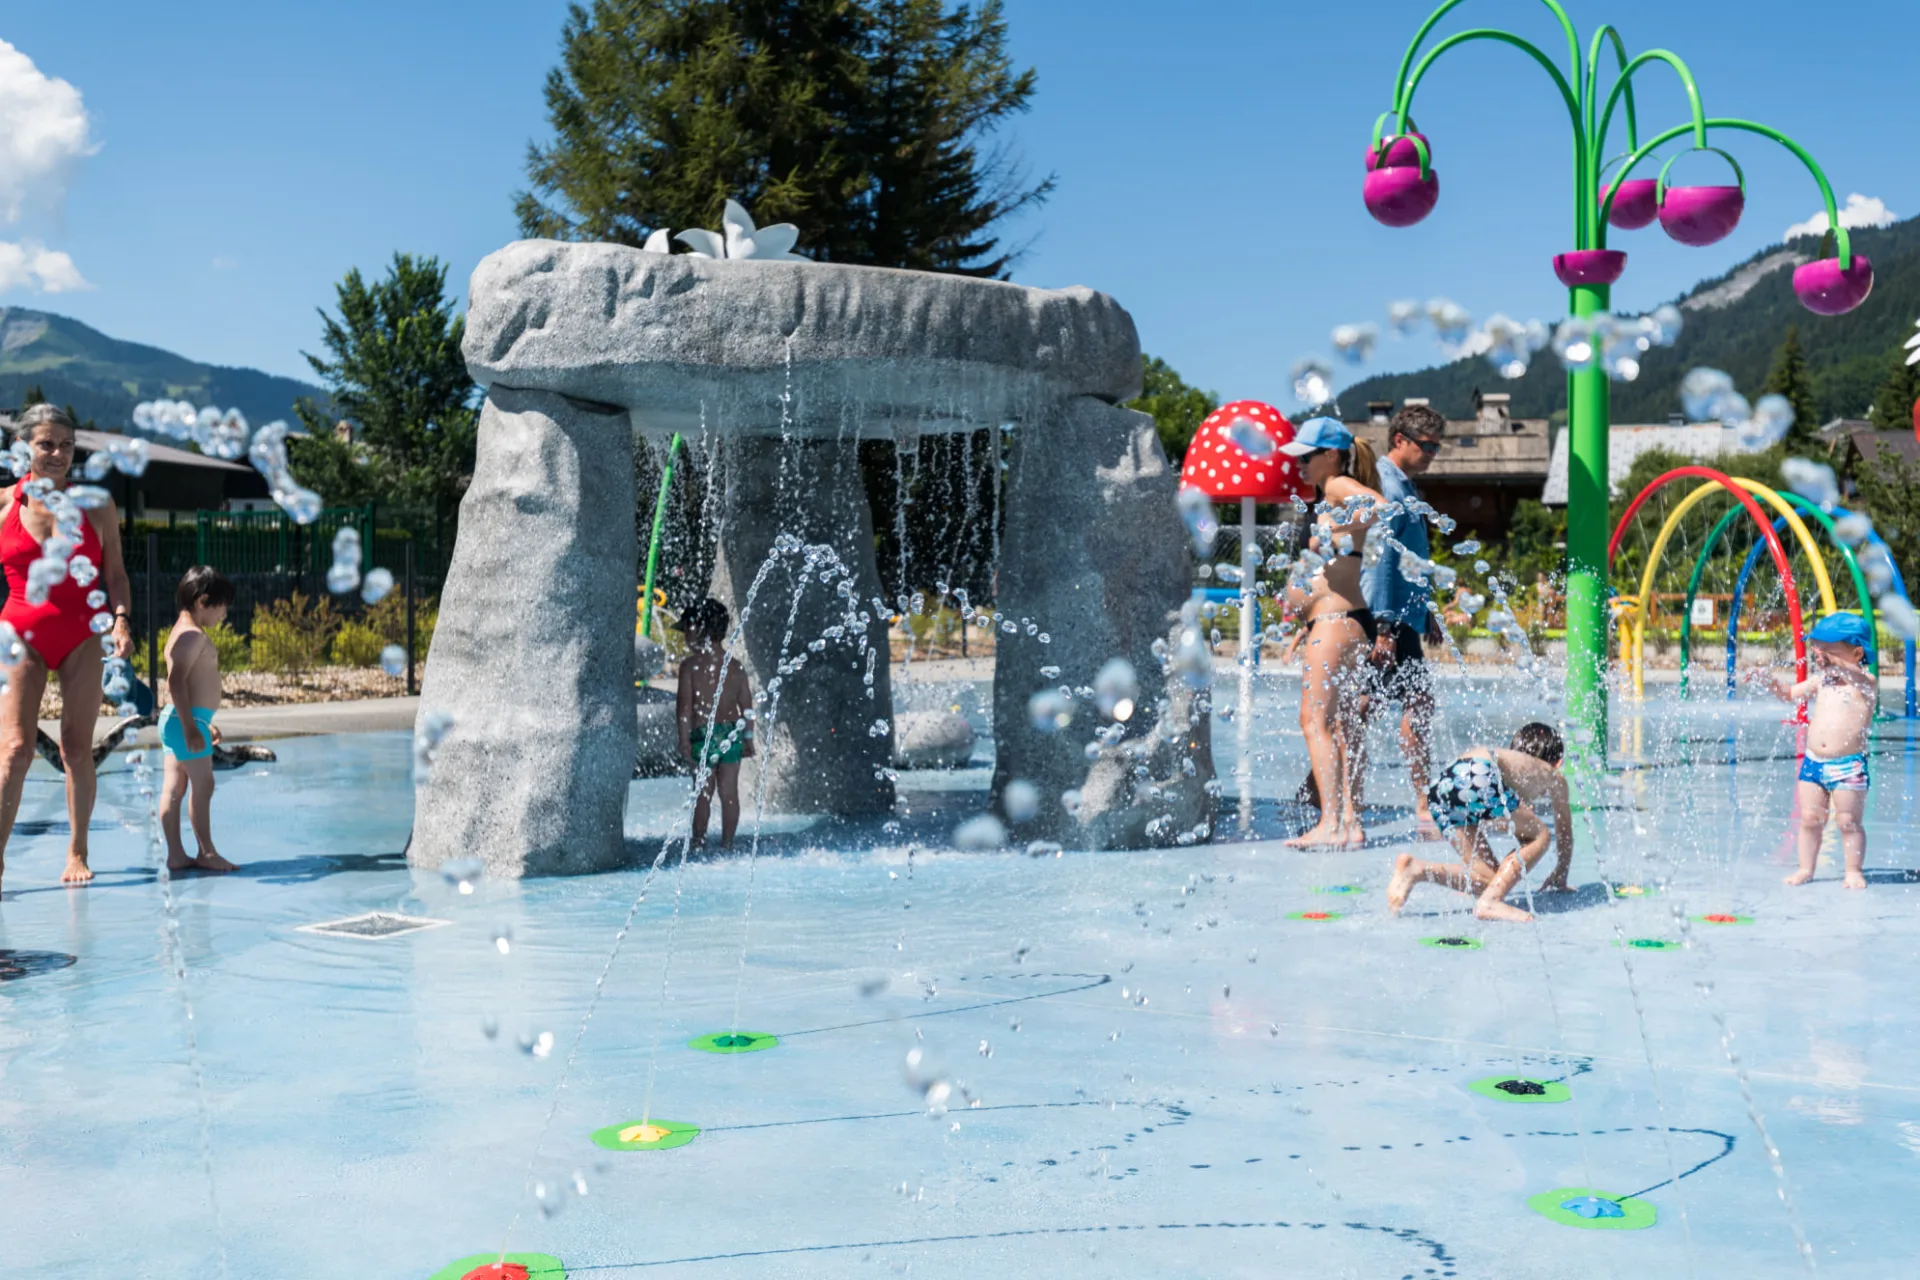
1841, 697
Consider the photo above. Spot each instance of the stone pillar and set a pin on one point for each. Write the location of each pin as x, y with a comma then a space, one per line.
1095, 553
819, 753
533, 651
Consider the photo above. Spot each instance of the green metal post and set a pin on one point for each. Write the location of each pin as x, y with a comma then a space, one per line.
1587, 527
653, 545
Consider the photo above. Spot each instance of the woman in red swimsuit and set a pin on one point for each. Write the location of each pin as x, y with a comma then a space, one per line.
58, 633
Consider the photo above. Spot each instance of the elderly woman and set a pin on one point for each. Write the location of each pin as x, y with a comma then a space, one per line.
1340, 628
56, 634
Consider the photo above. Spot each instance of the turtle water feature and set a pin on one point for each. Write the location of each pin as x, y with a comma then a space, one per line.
1221, 1060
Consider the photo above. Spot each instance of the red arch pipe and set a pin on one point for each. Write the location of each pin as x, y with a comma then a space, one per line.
1760, 518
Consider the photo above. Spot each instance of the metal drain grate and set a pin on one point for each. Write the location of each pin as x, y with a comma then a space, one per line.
374, 924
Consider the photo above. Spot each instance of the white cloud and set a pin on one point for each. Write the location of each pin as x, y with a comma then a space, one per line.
1859, 211
43, 132
28, 265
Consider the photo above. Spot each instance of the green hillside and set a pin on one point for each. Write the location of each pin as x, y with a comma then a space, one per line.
1848, 355
103, 378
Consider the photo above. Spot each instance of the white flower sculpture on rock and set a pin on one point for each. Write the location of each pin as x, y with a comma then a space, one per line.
738, 238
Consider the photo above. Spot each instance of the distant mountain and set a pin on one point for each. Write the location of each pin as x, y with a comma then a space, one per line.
1734, 323
103, 378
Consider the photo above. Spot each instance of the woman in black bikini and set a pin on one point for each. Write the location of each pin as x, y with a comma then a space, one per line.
1340, 627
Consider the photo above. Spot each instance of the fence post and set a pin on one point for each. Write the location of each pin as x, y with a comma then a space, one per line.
408, 566
153, 614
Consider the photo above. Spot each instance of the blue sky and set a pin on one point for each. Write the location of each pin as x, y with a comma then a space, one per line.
1208, 156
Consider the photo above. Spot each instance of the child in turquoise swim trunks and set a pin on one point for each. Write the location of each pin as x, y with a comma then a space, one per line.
715, 710
1833, 772
186, 725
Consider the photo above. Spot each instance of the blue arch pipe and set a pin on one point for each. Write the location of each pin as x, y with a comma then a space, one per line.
1740, 588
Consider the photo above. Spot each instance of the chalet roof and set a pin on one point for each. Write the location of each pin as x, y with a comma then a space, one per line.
1701, 441
1491, 445
1874, 444
167, 455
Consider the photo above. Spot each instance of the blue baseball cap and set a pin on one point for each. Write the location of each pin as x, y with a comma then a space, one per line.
1840, 628
1317, 433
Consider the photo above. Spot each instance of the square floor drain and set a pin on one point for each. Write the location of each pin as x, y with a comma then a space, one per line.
374, 924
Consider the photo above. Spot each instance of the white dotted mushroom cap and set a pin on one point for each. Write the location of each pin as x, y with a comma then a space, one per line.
1220, 468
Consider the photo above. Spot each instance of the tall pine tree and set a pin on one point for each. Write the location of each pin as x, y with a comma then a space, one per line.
1789, 377
868, 123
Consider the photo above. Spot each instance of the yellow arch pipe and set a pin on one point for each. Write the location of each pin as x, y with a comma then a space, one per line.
1800, 532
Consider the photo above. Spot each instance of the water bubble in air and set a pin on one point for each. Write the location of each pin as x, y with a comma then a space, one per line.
1355, 342
1701, 392
1049, 711
393, 660
1116, 689
1250, 438
1312, 382
1196, 511
1575, 345
1404, 317
1021, 800
981, 832
1813, 481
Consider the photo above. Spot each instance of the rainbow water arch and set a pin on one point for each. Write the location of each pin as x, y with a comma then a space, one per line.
1792, 513
1748, 494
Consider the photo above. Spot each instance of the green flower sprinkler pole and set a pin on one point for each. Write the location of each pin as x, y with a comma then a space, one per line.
1402, 188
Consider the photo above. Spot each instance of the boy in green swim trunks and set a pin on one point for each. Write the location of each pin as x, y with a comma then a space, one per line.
715, 710
186, 725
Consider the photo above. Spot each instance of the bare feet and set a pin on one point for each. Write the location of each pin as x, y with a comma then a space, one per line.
77, 872
1801, 877
1325, 835
1355, 834
1402, 883
207, 861
1855, 880
1425, 828
1494, 909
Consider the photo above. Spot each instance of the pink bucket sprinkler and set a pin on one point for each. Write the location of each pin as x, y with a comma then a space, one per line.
1595, 82
1701, 215
1401, 187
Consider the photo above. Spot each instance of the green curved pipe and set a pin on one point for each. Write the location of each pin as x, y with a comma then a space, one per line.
1623, 83
1843, 243
1606, 32
653, 546
1805, 508
1420, 37
1404, 105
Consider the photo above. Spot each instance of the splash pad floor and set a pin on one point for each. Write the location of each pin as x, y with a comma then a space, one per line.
1173, 1077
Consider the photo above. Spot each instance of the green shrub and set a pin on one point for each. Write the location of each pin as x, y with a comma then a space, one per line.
388, 619
357, 645
293, 635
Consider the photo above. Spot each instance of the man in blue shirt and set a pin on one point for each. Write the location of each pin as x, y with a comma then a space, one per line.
1402, 609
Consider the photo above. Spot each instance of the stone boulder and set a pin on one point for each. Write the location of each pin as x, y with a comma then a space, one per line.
932, 740
533, 651
817, 349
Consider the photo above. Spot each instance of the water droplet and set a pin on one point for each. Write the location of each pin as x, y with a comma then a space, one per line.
538, 1046
1355, 342
1049, 711
377, 584
1312, 382
1021, 800
980, 832
489, 1026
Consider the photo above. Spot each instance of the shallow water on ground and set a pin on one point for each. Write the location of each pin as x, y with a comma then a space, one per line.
1180, 1068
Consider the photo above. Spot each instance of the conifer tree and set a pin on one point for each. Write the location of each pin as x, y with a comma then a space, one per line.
1789, 377
868, 123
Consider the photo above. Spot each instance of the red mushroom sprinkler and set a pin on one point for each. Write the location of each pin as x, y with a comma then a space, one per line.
1236, 454
1595, 83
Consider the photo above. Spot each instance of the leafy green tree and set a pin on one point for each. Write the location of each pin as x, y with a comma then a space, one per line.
867, 123
396, 374
1176, 408
1893, 404
1790, 377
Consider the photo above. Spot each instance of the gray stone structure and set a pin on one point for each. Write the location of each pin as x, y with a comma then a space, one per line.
777, 370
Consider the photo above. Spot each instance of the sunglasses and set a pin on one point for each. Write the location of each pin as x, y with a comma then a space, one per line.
1428, 447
